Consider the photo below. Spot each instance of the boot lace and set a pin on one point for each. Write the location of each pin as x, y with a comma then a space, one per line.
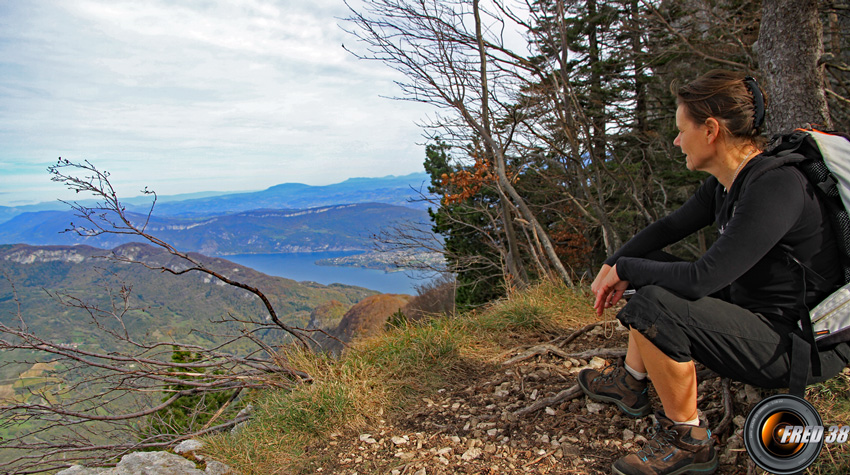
658, 442
608, 373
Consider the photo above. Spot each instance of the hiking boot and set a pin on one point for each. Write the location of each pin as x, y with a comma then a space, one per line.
615, 384
672, 449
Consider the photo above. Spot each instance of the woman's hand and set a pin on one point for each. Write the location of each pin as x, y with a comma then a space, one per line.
608, 288
599, 278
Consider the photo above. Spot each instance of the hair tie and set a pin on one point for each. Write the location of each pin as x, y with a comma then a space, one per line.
758, 101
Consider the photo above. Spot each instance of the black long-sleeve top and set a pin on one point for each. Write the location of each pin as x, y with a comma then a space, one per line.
777, 213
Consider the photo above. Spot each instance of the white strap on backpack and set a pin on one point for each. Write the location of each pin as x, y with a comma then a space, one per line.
831, 317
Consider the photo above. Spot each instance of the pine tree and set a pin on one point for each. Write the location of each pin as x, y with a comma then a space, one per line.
465, 219
190, 412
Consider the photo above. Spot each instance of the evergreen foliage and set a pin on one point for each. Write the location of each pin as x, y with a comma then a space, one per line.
462, 219
191, 412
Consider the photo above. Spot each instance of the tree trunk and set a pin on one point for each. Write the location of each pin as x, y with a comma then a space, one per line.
640, 83
790, 45
513, 262
596, 112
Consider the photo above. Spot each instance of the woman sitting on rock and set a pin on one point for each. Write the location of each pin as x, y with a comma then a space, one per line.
735, 308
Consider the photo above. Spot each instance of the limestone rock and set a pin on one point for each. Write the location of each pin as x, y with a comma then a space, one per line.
188, 446
80, 470
154, 463
218, 468
472, 454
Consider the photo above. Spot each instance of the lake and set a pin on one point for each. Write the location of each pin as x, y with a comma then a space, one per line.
301, 266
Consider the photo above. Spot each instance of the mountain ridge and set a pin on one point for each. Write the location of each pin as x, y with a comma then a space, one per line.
341, 227
400, 190
394, 190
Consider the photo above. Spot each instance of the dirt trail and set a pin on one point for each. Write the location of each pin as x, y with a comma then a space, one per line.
485, 422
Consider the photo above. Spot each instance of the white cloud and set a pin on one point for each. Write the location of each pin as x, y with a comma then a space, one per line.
235, 94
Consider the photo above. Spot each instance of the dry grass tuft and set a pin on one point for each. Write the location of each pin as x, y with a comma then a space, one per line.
548, 306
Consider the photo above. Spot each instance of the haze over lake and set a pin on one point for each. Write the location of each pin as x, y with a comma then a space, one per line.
302, 267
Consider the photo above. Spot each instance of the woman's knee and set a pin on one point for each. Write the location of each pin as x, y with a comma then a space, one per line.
652, 305
653, 294
656, 315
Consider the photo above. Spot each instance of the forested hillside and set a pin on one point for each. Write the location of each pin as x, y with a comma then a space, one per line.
161, 306
92, 331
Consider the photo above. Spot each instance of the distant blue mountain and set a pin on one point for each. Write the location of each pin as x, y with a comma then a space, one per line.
9, 212
262, 231
393, 190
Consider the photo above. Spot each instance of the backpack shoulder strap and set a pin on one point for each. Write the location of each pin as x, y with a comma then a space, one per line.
791, 149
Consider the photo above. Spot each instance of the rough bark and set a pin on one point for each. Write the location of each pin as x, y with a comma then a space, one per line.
790, 46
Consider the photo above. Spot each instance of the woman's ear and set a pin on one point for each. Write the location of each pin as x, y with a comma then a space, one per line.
712, 129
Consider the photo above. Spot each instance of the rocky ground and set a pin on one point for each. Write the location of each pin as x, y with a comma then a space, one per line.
521, 413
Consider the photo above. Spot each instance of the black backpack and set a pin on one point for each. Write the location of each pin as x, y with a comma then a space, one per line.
824, 158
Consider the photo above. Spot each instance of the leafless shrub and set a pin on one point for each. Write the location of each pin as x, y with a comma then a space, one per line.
436, 297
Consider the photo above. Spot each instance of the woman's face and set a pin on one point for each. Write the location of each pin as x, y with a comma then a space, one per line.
693, 140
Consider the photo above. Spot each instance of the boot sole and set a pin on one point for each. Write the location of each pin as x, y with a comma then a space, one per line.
636, 412
705, 468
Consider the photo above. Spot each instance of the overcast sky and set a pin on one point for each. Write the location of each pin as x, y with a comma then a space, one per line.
193, 95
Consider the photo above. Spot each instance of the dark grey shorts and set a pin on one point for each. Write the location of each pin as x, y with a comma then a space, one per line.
726, 338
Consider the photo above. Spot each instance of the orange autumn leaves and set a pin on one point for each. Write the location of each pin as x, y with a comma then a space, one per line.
571, 245
467, 182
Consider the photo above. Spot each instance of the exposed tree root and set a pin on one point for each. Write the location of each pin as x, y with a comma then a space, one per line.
600, 352
727, 406
590, 326
565, 395
535, 351
546, 348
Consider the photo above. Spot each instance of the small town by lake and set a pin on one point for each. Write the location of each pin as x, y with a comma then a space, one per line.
302, 266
